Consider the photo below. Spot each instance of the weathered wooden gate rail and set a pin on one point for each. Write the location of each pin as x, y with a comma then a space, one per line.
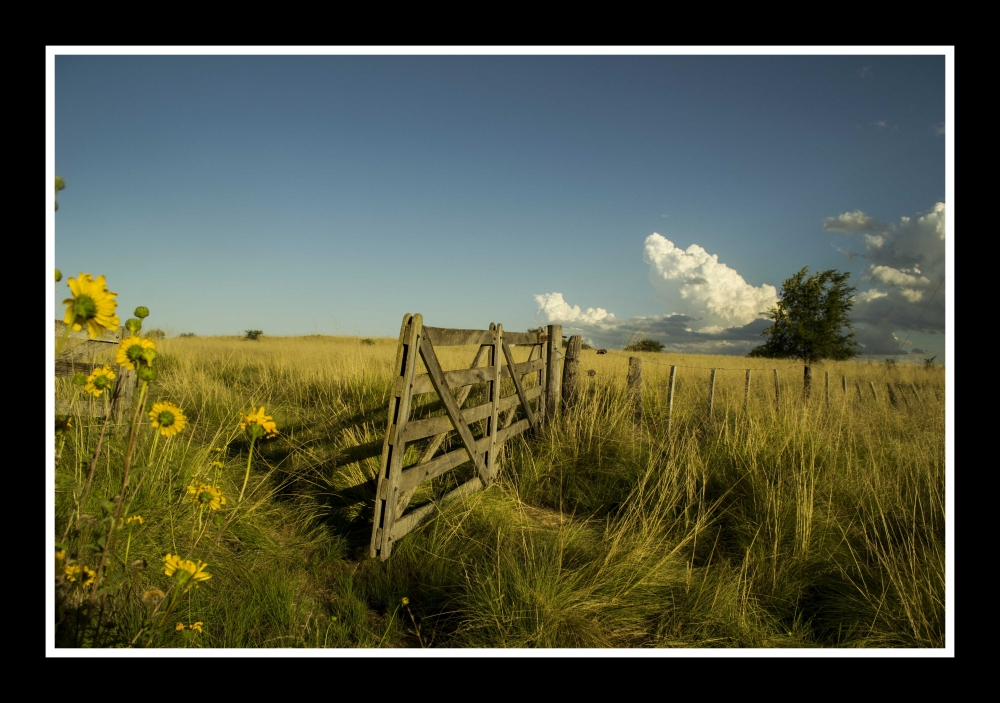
80, 358
396, 484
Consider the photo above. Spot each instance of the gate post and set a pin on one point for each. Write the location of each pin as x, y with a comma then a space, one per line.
553, 375
571, 370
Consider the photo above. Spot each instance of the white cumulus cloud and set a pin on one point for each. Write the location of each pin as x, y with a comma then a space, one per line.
893, 276
556, 309
870, 295
693, 282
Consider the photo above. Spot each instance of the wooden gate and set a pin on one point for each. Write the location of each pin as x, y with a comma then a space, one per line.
397, 483
87, 353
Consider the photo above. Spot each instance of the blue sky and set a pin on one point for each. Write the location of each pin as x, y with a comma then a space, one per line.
332, 194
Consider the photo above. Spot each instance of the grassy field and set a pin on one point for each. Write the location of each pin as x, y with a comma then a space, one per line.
776, 525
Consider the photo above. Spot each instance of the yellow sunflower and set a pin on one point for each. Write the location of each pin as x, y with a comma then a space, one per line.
168, 417
130, 351
259, 424
207, 495
84, 573
185, 568
92, 305
99, 381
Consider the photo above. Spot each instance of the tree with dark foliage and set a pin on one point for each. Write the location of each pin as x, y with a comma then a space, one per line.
645, 345
812, 319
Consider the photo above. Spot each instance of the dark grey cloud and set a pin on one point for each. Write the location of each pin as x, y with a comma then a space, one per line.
676, 332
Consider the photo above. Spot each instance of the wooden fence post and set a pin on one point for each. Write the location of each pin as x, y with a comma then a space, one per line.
492, 423
896, 393
711, 393
670, 398
777, 389
892, 394
807, 378
843, 383
857, 387
571, 370
635, 384
746, 393
394, 445
874, 394
827, 387
915, 394
553, 376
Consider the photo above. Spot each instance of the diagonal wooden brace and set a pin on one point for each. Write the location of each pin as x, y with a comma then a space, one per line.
444, 391
516, 377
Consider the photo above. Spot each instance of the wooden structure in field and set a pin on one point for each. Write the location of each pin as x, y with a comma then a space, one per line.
87, 354
398, 483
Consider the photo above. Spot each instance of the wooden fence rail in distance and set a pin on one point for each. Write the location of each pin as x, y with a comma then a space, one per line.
83, 355
398, 483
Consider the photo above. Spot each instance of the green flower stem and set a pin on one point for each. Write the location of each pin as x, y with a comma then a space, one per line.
133, 434
246, 477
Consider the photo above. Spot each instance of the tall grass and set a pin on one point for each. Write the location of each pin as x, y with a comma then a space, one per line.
789, 524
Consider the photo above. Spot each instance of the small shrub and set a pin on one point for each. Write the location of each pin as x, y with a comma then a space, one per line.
187, 334
585, 346
253, 335
890, 362
368, 341
645, 345
156, 333
929, 363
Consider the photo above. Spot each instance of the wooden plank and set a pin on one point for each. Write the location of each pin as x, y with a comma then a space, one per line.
106, 336
521, 338
444, 391
460, 399
441, 425
807, 378
571, 370
746, 392
393, 447
635, 385
422, 383
518, 385
124, 388
777, 389
670, 397
536, 349
412, 477
442, 337
711, 393
493, 394
892, 394
543, 353
553, 376
512, 431
411, 520
466, 377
